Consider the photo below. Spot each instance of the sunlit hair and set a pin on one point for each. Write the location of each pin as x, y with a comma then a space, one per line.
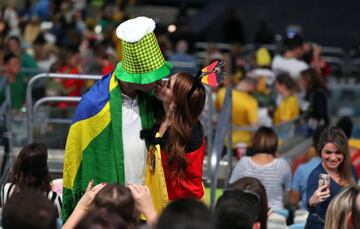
336, 136
286, 80
340, 207
265, 141
118, 199
253, 184
30, 169
183, 117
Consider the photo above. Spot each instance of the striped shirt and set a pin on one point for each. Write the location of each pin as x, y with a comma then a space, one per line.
275, 176
8, 189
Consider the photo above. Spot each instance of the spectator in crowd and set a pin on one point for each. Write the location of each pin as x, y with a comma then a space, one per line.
288, 108
339, 210
266, 78
254, 185
178, 142
15, 80
84, 205
274, 173
10, 16
333, 151
105, 61
182, 60
32, 30
312, 56
41, 9
4, 27
237, 209
13, 45
244, 113
71, 87
30, 170
102, 219
126, 202
185, 214
263, 66
291, 61
316, 98
45, 53
29, 208
299, 182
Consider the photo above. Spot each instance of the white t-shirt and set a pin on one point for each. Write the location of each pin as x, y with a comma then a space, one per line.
291, 65
134, 147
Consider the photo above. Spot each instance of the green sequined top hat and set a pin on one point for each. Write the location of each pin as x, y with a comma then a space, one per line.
142, 61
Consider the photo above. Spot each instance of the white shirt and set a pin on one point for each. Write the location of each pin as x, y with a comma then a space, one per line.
291, 65
134, 147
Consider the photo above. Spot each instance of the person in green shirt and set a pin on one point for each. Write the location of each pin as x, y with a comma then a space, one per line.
15, 80
27, 61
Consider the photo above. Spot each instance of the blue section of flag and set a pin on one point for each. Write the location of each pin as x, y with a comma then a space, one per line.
94, 100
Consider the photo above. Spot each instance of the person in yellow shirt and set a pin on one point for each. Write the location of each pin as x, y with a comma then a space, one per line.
244, 109
288, 108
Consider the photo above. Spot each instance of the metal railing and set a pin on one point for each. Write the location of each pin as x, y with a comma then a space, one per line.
223, 128
30, 109
5, 114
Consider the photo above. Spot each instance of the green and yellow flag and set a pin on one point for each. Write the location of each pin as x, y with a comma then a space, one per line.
94, 147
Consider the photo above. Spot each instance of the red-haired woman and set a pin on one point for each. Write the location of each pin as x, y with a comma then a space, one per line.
178, 142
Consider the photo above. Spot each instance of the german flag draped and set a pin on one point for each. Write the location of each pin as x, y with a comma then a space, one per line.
94, 147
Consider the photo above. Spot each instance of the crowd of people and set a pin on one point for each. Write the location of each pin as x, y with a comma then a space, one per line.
249, 202
135, 149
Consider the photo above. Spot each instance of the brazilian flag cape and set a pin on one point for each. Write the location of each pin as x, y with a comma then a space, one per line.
94, 147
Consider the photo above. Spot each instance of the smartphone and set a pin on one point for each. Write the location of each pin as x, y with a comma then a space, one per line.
324, 179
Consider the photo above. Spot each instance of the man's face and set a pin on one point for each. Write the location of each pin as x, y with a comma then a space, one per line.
164, 92
148, 87
13, 45
13, 66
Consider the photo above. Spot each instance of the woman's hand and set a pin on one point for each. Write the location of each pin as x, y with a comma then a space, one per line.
143, 201
83, 206
87, 199
320, 195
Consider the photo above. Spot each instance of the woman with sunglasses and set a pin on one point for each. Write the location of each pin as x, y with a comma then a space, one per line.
335, 161
176, 154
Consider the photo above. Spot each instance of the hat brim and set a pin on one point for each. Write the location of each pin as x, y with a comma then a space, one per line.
143, 78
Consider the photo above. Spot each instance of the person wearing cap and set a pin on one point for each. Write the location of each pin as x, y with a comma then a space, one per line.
104, 142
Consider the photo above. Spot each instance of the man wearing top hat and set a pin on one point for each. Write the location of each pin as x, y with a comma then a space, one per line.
104, 143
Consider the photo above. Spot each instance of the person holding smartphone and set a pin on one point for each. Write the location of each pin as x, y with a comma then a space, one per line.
330, 176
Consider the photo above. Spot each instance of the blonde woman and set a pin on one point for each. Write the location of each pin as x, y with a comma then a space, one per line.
339, 210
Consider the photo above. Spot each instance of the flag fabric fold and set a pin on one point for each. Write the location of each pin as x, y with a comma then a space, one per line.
94, 146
